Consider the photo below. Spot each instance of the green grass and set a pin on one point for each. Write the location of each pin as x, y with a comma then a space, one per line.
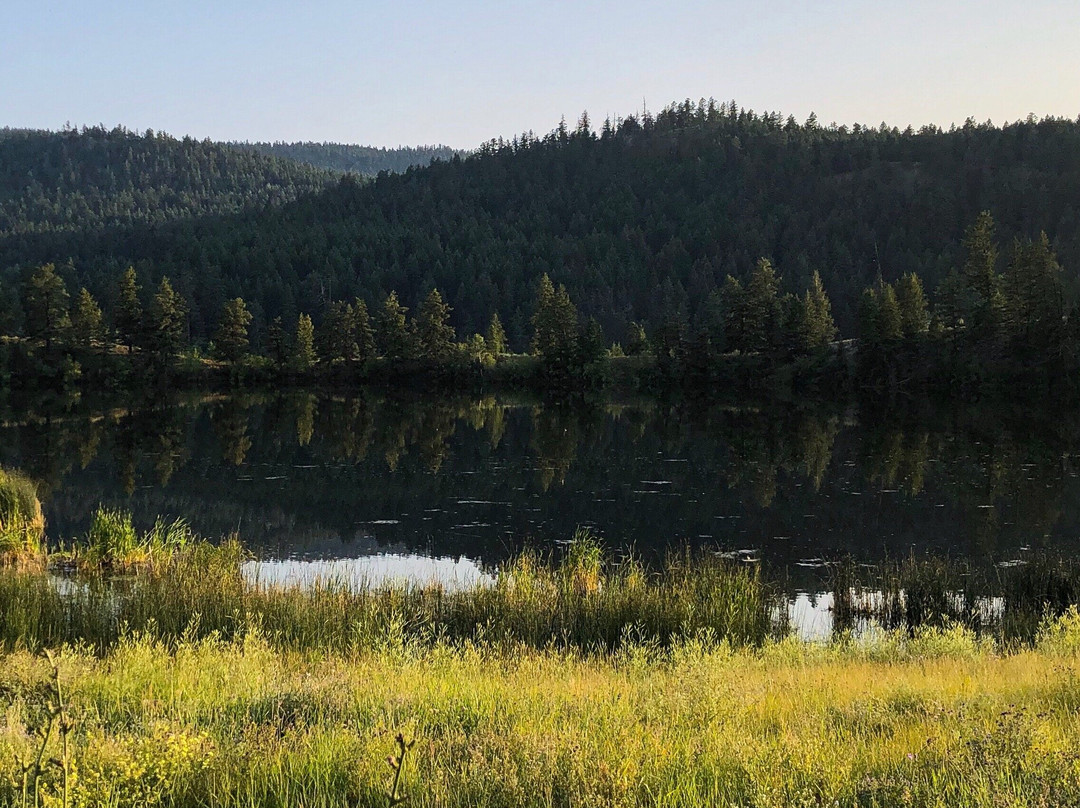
22, 525
936, 717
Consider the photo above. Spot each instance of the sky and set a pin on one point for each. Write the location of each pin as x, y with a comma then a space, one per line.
460, 73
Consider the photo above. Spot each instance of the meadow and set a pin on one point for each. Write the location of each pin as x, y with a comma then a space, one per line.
931, 718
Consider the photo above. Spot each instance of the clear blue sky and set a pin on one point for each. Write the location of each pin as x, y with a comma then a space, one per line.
409, 72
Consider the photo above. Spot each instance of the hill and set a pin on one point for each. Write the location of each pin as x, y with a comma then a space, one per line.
367, 161
94, 178
643, 217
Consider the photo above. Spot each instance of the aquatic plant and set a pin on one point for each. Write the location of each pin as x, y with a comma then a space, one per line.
112, 540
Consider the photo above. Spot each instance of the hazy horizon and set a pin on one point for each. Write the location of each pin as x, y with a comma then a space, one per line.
420, 73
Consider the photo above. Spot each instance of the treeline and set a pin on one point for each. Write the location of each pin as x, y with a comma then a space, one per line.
995, 321
644, 216
991, 322
150, 327
367, 161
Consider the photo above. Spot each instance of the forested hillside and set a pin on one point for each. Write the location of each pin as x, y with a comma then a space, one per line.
366, 161
640, 219
94, 178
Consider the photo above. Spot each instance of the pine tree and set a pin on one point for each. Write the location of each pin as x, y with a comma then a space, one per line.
86, 320
231, 338
869, 332
303, 356
45, 305
637, 343
129, 313
818, 328
566, 328
592, 341
543, 320
277, 343
495, 339
914, 310
365, 336
555, 328
890, 327
762, 307
1033, 295
435, 334
980, 276
733, 309
166, 321
336, 338
393, 329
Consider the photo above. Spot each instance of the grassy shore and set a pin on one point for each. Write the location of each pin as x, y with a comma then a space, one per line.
934, 718
149, 670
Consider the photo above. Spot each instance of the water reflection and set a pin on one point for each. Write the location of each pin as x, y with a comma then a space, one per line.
307, 476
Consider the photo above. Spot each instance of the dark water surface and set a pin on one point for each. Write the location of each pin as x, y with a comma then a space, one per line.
449, 488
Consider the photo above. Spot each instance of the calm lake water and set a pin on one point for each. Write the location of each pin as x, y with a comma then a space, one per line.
435, 488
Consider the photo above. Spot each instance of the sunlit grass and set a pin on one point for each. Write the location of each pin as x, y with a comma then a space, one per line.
936, 719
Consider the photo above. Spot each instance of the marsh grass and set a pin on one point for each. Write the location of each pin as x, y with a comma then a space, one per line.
113, 543
22, 524
587, 600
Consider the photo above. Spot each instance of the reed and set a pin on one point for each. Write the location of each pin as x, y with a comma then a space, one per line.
588, 600
1006, 600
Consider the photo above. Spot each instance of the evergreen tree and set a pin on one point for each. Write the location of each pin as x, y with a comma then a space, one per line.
1033, 295
86, 320
364, 335
889, 324
336, 337
914, 310
166, 322
543, 320
495, 339
818, 328
303, 356
277, 343
671, 342
592, 341
733, 309
762, 310
435, 334
231, 338
128, 319
393, 330
45, 306
980, 276
637, 343
555, 327
869, 331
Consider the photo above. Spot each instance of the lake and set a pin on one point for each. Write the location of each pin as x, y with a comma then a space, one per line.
380, 486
